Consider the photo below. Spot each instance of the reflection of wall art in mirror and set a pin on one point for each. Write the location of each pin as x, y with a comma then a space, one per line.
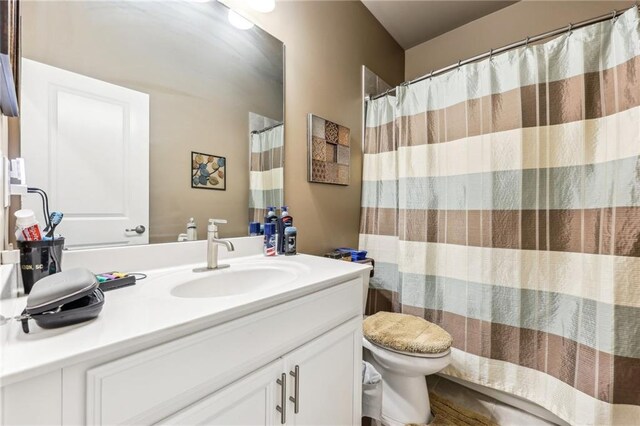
328, 152
208, 171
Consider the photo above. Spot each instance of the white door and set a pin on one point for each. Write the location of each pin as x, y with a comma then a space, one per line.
86, 143
329, 371
251, 400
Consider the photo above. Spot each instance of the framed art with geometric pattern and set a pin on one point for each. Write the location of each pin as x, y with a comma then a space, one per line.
208, 171
329, 152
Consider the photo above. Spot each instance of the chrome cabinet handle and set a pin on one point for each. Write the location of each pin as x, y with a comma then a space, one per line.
296, 389
282, 409
138, 229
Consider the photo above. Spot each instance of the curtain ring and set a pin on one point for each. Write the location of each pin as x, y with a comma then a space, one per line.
431, 75
459, 62
491, 54
526, 42
570, 29
614, 15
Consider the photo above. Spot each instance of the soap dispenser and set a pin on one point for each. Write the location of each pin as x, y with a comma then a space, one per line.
192, 231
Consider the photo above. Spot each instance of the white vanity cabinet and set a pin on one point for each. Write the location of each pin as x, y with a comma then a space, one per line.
320, 386
251, 400
328, 380
296, 363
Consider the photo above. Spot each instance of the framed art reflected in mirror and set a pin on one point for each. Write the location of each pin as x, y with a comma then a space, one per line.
208, 171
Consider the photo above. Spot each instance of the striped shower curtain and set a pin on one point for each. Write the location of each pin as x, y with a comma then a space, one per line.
501, 201
266, 175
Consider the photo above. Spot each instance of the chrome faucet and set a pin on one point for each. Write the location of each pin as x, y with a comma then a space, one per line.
212, 246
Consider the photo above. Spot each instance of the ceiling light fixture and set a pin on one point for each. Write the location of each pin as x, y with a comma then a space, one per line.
238, 21
264, 6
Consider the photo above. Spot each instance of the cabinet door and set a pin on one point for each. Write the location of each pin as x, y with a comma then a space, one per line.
328, 378
251, 400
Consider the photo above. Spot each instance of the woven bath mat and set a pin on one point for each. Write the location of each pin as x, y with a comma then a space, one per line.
449, 414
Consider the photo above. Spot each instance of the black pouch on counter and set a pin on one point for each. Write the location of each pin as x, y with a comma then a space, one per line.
63, 299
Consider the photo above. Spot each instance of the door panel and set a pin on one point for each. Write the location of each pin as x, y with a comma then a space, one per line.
67, 118
249, 401
329, 378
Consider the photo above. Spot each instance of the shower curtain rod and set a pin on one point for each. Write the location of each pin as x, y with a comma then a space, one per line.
255, 132
511, 46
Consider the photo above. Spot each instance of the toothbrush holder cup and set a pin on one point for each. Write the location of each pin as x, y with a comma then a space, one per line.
39, 259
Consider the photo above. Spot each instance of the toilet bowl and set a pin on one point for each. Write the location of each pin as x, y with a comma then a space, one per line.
405, 398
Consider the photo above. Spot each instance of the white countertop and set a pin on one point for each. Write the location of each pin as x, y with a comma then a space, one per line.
148, 312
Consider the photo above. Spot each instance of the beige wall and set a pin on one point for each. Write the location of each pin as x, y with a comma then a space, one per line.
327, 43
513, 23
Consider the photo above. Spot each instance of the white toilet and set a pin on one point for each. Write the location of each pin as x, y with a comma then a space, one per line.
405, 398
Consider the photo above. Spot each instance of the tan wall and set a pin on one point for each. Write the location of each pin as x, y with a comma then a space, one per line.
327, 43
513, 23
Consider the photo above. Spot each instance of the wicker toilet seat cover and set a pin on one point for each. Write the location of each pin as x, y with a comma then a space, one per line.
406, 333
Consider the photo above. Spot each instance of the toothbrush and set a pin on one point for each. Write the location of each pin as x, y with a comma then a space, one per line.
55, 218
48, 219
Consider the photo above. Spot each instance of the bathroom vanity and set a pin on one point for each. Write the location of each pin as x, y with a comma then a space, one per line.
266, 341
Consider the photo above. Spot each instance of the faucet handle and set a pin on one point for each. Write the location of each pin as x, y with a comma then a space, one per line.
213, 226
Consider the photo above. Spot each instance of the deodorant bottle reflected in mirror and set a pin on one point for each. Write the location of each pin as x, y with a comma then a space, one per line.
290, 243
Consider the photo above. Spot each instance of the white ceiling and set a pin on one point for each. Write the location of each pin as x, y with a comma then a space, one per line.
413, 22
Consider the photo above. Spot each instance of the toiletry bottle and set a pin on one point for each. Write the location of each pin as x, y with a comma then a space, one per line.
286, 220
192, 231
273, 218
27, 228
270, 242
290, 241
254, 229
271, 213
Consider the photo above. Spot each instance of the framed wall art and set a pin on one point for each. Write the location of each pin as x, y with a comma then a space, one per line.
208, 171
328, 151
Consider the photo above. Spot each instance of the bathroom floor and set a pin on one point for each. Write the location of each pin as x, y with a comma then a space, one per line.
501, 413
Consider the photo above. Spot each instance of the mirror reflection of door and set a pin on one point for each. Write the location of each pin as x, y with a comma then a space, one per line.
86, 143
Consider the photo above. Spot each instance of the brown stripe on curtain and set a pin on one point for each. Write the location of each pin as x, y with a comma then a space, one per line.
267, 160
592, 231
602, 94
257, 215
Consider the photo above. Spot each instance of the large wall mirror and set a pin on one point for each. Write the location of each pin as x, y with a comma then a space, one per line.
137, 116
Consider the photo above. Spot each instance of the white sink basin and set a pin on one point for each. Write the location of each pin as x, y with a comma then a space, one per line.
236, 280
